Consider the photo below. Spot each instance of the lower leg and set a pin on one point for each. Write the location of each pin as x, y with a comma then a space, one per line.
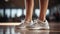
43, 9
29, 10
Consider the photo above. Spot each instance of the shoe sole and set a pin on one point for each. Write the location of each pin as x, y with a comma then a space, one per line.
39, 28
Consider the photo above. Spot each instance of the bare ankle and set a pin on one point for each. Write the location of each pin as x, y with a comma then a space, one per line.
42, 19
28, 20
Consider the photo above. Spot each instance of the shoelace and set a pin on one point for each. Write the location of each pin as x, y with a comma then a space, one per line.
39, 22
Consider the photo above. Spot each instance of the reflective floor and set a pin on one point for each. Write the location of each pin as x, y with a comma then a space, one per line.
54, 29
37, 32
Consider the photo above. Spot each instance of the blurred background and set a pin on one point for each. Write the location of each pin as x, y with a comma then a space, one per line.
14, 10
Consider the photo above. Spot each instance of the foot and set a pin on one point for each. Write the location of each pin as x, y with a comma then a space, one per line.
39, 25
24, 24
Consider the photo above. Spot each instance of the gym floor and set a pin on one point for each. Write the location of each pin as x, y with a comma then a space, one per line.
54, 29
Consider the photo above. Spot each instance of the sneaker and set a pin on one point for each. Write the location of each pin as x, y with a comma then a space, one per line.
24, 24
39, 25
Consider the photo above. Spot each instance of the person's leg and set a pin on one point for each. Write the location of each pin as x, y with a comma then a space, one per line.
43, 8
29, 5
29, 9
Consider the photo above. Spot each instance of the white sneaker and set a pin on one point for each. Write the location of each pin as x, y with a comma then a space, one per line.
39, 25
24, 24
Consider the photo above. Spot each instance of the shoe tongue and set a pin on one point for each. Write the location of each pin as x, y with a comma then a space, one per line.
31, 23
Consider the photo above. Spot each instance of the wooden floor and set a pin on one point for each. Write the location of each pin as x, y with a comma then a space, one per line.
54, 29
